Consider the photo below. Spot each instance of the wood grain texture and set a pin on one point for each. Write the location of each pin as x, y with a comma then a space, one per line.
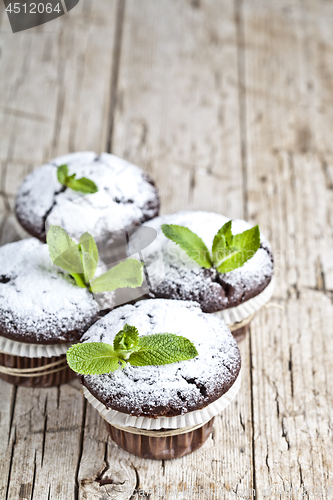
289, 194
56, 95
177, 112
55, 99
228, 106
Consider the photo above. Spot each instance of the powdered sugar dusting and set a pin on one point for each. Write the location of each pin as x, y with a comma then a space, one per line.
186, 280
125, 196
37, 302
170, 389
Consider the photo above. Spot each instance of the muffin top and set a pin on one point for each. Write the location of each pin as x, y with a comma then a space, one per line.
182, 278
166, 390
39, 304
126, 196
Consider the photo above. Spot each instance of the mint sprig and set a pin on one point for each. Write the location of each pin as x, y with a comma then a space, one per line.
96, 358
83, 184
228, 251
80, 260
190, 242
128, 273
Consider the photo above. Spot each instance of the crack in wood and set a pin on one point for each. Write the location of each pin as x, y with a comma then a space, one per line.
253, 451
239, 20
290, 368
10, 465
33, 477
44, 431
77, 483
115, 70
12, 409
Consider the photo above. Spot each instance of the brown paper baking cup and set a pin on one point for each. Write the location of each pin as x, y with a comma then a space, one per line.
27, 350
238, 318
35, 372
163, 438
161, 447
179, 423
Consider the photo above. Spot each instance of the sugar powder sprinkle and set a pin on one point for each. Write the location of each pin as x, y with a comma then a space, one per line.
169, 389
37, 302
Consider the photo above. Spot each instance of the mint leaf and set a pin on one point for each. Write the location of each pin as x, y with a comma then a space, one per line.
58, 241
242, 247
89, 256
127, 339
162, 349
62, 173
248, 240
70, 260
125, 274
189, 242
83, 185
222, 239
79, 279
96, 358
228, 251
92, 358
64, 252
81, 260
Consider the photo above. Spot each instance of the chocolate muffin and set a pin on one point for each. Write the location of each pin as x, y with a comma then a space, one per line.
229, 294
42, 312
155, 399
126, 197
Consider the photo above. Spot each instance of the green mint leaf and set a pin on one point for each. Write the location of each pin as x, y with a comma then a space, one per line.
64, 252
127, 339
248, 240
70, 178
62, 174
242, 248
89, 256
79, 279
83, 185
189, 242
222, 240
125, 274
92, 358
162, 349
96, 358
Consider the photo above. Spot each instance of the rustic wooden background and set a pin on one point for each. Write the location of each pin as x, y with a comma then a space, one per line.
229, 106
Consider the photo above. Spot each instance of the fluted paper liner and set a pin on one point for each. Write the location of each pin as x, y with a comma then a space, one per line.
237, 314
23, 349
191, 419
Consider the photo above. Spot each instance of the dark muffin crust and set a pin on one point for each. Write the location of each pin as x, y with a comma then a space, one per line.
37, 199
39, 304
174, 389
186, 280
210, 297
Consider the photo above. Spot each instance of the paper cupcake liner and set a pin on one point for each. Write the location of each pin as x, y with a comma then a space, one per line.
35, 372
243, 311
191, 419
23, 349
156, 445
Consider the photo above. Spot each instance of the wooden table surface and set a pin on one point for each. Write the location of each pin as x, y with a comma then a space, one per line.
228, 105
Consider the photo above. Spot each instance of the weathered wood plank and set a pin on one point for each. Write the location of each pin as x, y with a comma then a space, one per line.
288, 165
55, 99
177, 109
56, 474
56, 94
8, 397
